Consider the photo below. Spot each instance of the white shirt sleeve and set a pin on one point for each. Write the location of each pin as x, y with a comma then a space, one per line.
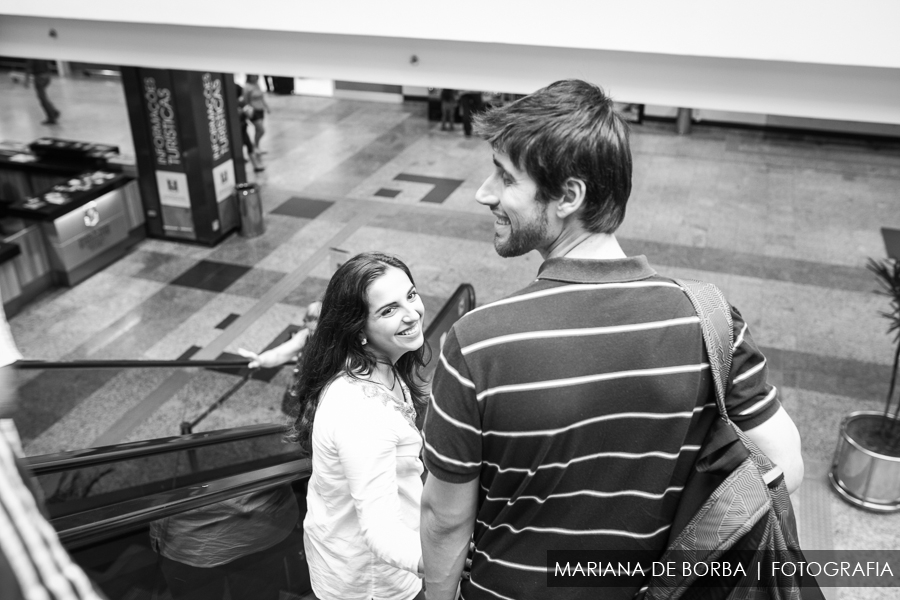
8, 351
367, 443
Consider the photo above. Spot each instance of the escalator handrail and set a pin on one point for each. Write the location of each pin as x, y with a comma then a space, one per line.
74, 459
94, 525
86, 457
451, 305
213, 364
99, 524
130, 364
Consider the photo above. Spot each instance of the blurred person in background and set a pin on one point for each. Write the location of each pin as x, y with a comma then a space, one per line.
245, 111
255, 97
448, 108
38, 70
288, 352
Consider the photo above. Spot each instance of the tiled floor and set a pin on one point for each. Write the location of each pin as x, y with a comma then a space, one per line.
782, 223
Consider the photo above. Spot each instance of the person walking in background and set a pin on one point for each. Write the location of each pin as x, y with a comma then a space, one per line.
288, 352
255, 97
469, 104
39, 71
448, 108
360, 389
245, 112
569, 415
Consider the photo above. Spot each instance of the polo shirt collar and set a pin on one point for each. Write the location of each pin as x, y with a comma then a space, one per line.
577, 270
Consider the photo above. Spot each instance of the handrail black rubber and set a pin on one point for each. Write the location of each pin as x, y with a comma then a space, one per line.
451, 304
130, 364
85, 528
465, 288
97, 525
74, 459
86, 457
214, 364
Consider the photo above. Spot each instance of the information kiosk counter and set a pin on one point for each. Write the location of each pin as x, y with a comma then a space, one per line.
88, 221
68, 209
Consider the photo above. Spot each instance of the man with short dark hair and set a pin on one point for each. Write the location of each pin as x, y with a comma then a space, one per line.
568, 416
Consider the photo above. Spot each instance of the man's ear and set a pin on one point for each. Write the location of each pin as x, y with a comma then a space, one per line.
572, 198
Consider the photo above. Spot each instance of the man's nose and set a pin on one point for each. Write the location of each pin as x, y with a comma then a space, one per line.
485, 194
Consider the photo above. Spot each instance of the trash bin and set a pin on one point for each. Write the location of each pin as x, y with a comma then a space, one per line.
250, 205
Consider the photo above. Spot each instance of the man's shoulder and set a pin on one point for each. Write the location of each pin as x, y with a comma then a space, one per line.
507, 309
526, 308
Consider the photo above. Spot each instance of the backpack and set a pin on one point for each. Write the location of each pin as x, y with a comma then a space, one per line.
735, 505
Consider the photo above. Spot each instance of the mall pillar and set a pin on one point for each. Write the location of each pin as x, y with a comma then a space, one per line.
189, 152
683, 121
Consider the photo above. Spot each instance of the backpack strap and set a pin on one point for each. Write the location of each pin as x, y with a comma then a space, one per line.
718, 332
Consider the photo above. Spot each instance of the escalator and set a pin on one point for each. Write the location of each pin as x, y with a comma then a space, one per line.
225, 492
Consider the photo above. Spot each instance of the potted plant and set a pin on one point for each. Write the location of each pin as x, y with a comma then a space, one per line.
866, 466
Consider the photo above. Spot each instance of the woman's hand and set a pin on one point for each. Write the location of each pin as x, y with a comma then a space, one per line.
278, 355
264, 360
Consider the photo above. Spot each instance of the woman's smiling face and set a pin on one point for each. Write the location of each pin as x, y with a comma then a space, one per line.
396, 316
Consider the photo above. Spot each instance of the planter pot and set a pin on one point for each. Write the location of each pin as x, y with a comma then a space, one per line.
862, 476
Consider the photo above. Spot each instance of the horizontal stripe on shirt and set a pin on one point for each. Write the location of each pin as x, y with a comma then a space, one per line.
511, 565
612, 532
550, 432
449, 419
514, 565
558, 383
586, 492
598, 455
687, 414
491, 592
762, 403
578, 332
749, 372
740, 337
449, 460
467, 383
567, 289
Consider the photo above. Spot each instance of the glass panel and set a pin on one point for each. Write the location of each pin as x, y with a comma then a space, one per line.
80, 489
247, 548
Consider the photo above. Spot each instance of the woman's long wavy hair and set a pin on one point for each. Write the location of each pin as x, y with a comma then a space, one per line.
336, 346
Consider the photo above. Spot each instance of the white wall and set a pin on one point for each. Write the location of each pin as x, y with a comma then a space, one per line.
770, 61
857, 32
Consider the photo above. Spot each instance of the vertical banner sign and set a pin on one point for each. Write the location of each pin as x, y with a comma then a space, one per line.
186, 131
219, 141
171, 177
215, 116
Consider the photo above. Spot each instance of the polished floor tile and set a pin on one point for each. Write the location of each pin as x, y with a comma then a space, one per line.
442, 189
255, 283
227, 321
303, 208
211, 276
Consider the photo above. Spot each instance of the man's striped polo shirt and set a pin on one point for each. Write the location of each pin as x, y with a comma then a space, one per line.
580, 403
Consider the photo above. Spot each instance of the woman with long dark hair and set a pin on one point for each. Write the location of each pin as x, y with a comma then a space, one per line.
360, 390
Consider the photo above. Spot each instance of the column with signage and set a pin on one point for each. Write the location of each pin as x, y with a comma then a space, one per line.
189, 153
